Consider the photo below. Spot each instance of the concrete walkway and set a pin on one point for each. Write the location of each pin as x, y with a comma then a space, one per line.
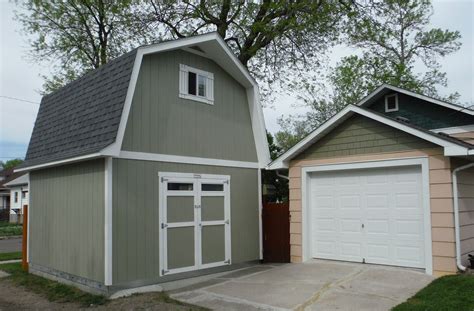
316, 285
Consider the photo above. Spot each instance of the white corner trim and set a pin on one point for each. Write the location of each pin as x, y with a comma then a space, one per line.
256, 113
60, 162
260, 208
108, 222
416, 95
132, 155
451, 149
422, 162
455, 129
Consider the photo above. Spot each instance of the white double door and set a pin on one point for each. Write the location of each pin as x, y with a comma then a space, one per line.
194, 222
368, 215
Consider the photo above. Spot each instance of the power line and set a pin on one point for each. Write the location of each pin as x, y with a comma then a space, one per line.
19, 99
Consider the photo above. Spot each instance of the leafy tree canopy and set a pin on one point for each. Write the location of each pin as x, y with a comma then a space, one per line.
393, 36
10, 163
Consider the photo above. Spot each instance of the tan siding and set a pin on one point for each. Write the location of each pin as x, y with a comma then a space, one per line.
360, 139
466, 212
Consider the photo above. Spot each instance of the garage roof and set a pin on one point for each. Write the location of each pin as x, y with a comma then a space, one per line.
452, 146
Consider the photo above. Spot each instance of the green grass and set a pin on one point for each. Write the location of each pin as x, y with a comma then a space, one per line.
453, 292
53, 291
10, 256
8, 229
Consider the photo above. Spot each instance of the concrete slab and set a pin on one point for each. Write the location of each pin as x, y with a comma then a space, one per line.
316, 285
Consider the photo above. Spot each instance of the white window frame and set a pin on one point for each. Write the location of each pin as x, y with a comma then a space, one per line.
183, 84
396, 102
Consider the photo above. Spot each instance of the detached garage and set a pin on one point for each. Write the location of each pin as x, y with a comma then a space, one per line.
387, 181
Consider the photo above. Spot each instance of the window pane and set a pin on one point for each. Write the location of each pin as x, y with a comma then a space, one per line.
212, 187
391, 103
202, 85
180, 186
191, 83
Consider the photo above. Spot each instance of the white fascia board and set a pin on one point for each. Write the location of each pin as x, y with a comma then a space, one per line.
450, 149
60, 162
455, 129
419, 96
258, 122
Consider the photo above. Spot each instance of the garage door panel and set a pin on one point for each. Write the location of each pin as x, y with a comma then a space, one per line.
374, 215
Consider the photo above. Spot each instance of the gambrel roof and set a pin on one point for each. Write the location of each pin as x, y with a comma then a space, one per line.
87, 118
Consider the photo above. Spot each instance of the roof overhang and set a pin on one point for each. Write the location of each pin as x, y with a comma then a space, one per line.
386, 88
19, 181
450, 148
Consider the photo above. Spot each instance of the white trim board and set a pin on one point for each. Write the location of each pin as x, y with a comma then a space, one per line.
108, 259
60, 162
132, 155
366, 99
450, 148
423, 162
455, 129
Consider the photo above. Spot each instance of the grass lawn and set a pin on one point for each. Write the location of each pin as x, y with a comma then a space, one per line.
8, 229
53, 291
453, 292
10, 256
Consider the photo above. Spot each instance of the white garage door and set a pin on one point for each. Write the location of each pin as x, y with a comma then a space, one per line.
370, 215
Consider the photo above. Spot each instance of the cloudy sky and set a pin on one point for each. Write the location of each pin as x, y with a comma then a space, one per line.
21, 79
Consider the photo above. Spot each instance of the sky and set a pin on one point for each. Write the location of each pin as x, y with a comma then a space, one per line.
20, 78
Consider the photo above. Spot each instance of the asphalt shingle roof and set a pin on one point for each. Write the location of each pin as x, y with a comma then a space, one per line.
82, 117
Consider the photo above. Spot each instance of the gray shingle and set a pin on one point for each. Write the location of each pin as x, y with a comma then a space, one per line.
83, 116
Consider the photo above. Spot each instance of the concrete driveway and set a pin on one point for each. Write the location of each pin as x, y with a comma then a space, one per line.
316, 285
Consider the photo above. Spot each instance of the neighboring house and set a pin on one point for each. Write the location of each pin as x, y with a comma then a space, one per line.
382, 182
147, 169
5, 177
19, 197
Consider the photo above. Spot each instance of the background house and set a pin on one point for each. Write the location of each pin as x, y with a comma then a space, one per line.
19, 197
5, 193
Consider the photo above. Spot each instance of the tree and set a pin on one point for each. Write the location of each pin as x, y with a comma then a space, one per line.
76, 36
275, 40
10, 163
280, 185
392, 36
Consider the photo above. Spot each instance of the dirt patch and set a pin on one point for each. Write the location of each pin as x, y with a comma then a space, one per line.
14, 297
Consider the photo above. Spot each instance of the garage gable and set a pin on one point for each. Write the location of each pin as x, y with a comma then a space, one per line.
362, 135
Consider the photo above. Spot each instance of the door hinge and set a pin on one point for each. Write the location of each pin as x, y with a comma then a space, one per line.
227, 222
163, 271
163, 225
163, 179
226, 182
227, 261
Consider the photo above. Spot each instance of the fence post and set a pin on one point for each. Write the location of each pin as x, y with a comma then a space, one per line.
24, 244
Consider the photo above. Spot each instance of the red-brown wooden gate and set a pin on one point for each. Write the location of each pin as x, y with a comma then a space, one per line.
276, 232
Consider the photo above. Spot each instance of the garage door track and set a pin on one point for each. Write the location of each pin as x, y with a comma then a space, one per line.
315, 285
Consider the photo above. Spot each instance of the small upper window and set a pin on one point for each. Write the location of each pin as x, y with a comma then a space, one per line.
391, 102
195, 84
16, 197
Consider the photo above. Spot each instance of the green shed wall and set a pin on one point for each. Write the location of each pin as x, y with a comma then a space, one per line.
361, 135
162, 122
67, 219
136, 220
423, 113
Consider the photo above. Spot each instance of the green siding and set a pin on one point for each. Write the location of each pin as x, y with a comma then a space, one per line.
423, 113
213, 244
67, 219
136, 219
361, 135
161, 122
